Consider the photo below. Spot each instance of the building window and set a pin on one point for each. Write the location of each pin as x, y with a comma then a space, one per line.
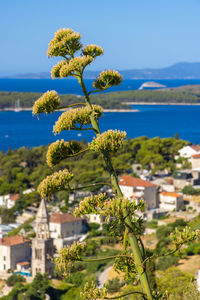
4, 258
38, 254
4, 267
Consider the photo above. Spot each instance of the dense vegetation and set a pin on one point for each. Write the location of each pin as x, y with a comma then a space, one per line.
24, 168
7, 100
115, 100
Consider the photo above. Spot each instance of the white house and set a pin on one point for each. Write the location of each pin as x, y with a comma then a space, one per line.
137, 188
188, 151
13, 250
95, 218
170, 201
8, 201
11, 200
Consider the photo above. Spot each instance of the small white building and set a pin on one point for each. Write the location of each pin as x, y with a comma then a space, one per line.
170, 201
188, 151
13, 249
8, 201
95, 218
137, 188
12, 200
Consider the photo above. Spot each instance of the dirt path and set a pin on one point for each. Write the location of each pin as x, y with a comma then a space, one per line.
103, 277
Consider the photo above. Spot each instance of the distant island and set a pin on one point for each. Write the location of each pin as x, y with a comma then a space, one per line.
182, 70
114, 101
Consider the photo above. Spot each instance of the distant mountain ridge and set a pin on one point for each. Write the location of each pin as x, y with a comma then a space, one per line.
182, 70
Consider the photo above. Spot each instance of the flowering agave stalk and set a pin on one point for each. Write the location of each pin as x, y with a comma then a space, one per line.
66, 44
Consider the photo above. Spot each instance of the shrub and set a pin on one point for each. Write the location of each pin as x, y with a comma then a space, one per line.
14, 278
114, 285
165, 262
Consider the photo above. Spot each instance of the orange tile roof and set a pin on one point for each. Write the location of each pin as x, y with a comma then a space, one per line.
14, 197
196, 155
128, 180
171, 194
13, 240
63, 218
23, 263
195, 147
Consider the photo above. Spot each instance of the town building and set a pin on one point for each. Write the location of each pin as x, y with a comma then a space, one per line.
137, 188
170, 201
65, 229
195, 160
42, 245
95, 218
64, 225
8, 201
188, 151
13, 250
186, 177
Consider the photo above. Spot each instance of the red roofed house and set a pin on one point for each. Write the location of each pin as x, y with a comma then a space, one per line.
65, 229
171, 201
13, 250
64, 225
133, 187
12, 199
195, 160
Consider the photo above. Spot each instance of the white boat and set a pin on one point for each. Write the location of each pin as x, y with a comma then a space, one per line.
17, 106
151, 85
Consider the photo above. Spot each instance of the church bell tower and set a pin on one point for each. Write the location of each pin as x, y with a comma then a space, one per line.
42, 244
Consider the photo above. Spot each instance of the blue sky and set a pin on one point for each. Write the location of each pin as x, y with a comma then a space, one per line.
133, 33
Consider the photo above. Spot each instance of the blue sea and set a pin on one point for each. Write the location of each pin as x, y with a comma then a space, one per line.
18, 129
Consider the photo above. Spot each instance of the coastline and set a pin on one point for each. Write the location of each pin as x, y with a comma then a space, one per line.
105, 110
160, 103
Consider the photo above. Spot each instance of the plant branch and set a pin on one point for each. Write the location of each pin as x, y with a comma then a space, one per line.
127, 294
70, 105
78, 153
91, 185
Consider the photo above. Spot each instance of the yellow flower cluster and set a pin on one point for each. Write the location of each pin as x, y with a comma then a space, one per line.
55, 71
60, 150
65, 42
67, 256
90, 204
91, 292
78, 116
54, 183
92, 50
75, 66
185, 236
109, 141
107, 79
47, 103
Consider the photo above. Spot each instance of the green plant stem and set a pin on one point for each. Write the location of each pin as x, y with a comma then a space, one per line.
90, 185
127, 294
114, 181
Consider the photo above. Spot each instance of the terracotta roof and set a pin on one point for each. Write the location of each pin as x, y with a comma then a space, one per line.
13, 240
23, 263
14, 197
195, 147
128, 180
63, 218
196, 155
171, 194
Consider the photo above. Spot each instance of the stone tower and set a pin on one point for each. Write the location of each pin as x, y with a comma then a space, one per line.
42, 244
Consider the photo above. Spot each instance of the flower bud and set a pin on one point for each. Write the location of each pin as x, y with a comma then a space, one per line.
54, 183
47, 103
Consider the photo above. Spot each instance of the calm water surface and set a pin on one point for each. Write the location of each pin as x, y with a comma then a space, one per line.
19, 129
